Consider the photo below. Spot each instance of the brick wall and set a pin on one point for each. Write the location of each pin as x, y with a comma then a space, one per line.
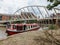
5, 17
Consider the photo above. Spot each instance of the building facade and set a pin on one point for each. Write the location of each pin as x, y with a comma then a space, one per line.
4, 17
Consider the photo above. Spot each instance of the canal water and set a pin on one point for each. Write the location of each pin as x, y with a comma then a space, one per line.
3, 35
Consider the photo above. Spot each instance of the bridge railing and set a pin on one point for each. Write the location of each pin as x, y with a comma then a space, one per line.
34, 13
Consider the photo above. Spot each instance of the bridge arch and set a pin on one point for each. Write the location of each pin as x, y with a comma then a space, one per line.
42, 14
35, 12
42, 10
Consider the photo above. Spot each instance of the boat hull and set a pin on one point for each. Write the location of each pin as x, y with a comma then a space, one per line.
15, 32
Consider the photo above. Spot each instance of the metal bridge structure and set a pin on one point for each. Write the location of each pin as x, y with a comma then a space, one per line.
35, 12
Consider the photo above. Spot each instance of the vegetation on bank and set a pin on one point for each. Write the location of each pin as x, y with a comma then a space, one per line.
52, 27
27, 21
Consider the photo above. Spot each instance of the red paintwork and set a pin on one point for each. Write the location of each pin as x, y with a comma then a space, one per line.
11, 32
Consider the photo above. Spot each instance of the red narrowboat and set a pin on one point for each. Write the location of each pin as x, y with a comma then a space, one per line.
19, 28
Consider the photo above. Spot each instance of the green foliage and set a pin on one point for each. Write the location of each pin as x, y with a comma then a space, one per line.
29, 21
50, 0
32, 21
18, 22
52, 27
55, 3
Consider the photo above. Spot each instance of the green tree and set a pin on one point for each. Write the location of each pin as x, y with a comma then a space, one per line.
53, 3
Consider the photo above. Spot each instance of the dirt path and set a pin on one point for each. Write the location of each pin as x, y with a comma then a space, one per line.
25, 38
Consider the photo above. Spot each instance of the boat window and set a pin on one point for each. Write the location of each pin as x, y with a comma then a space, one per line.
34, 26
19, 27
28, 27
14, 27
31, 26
8, 26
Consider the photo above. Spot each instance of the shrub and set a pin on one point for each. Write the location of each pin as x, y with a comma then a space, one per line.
52, 27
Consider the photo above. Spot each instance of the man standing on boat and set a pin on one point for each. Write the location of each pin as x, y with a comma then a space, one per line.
24, 27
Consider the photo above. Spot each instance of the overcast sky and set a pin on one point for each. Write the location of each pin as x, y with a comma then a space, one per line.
10, 6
